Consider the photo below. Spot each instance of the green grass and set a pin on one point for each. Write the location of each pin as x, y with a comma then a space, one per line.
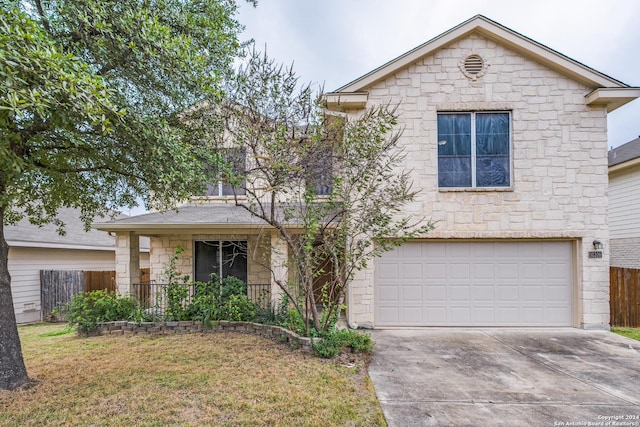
628, 332
65, 331
225, 379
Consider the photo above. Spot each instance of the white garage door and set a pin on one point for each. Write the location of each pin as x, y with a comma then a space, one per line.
475, 284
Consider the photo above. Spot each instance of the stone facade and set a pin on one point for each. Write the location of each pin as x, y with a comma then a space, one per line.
559, 147
127, 261
558, 160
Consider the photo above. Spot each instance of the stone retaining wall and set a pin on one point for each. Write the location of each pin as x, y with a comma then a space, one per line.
188, 327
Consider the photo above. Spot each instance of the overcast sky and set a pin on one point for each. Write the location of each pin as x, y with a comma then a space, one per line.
332, 42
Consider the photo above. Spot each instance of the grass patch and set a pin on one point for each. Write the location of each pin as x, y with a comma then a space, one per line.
65, 331
628, 332
224, 379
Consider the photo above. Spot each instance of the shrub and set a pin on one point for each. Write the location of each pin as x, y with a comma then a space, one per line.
270, 314
296, 323
220, 299
238, 308
334, 341
177, 296
204, 304
87, 310
326, 348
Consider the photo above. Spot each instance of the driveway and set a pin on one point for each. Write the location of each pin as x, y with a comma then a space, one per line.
486, 377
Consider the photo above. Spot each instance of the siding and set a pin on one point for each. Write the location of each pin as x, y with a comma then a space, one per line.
624, 204
25, 265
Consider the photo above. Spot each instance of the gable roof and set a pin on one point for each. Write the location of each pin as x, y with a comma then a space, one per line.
25, 234
354, 93
625, 153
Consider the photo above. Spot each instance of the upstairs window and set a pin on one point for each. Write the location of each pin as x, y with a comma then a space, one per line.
474, 150
235, 162
318, 167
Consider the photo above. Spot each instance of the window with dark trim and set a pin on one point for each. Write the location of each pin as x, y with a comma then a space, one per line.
222, 257
319, 169
474, 150
234, 159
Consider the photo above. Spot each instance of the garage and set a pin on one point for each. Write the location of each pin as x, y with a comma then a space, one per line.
475, 283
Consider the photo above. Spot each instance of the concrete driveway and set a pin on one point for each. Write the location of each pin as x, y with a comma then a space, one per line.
458, 377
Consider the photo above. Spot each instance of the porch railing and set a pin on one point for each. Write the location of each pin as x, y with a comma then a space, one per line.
154, 295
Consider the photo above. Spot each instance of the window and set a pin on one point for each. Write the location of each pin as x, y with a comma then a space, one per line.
224, 258
235, 162
319, 166
474, 150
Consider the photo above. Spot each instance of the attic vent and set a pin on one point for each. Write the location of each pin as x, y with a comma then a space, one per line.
473, 66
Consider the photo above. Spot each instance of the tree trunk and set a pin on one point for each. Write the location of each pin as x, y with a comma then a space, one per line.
13, 373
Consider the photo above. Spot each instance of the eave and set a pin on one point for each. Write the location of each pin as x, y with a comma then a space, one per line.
624, 165
346, 100
167, 228
613, 97
46, 245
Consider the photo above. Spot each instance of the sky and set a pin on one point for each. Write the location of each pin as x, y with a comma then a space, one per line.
332, 42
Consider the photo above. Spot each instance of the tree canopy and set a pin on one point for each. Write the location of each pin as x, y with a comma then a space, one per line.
332, 184
91, 97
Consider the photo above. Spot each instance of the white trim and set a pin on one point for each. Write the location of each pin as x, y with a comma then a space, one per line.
624, 165
613, 97
346, 99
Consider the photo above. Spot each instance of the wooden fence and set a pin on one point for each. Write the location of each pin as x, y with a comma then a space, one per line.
57, 287
624, 291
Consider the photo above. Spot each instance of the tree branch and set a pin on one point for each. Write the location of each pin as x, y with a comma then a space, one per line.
45, 21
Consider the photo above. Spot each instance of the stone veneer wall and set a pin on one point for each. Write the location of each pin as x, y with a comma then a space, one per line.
559, 162
189, 327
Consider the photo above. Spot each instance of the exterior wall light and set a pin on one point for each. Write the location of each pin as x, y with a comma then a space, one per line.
597, 244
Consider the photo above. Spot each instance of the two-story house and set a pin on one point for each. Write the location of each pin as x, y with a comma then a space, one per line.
506, 140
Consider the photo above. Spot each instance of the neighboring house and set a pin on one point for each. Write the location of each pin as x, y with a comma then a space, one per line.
506, 140
624, 205
33, 248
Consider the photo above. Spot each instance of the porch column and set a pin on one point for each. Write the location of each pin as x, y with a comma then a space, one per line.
127, 261
279, 266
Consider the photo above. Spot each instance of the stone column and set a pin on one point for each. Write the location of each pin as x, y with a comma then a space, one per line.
279, 266
127, 261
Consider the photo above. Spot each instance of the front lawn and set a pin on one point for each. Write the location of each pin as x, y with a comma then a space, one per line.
195, 379
628, 332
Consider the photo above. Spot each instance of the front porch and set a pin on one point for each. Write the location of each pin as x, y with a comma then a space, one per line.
258, 258
212, 237
215, 238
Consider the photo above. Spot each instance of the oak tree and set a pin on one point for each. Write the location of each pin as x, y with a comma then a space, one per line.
91, 93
